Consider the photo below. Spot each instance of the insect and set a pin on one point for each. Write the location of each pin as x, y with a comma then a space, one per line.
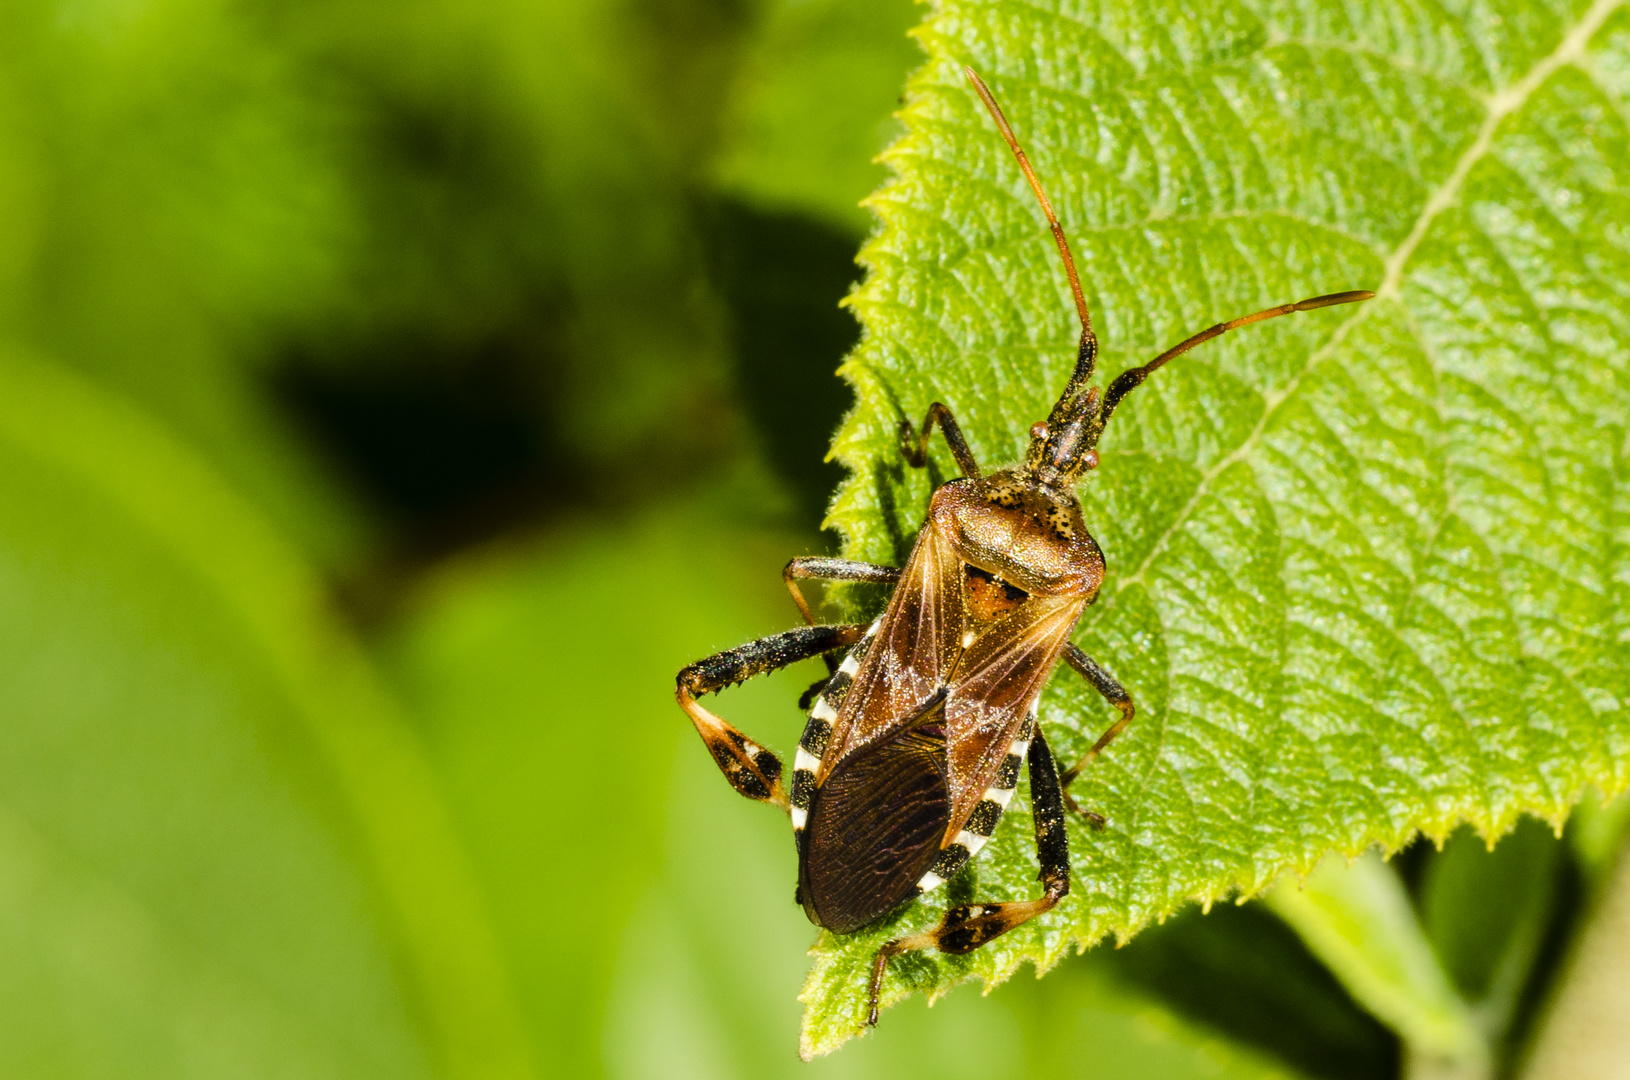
914, 743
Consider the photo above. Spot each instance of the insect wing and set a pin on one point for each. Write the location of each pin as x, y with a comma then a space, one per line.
994, 690
876, 824
908, 658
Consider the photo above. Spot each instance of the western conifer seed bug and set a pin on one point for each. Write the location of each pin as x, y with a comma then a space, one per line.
913, 746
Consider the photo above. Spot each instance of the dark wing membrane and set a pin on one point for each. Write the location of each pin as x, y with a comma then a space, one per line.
998, 679
911, 654
875, 826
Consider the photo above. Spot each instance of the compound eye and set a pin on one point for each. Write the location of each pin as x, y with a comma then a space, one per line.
1089, 460
1038, 430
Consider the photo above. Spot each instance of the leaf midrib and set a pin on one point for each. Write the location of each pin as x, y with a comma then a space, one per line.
1497, 108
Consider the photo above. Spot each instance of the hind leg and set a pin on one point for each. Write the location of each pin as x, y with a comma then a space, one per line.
968, 926
752, 770
1114, 693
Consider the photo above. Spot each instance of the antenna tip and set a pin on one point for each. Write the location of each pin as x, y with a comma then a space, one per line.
1352, 297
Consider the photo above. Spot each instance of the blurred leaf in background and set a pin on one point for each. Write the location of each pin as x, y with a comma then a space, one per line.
167, 194
222, 853
522, 169
527, 324
813, 107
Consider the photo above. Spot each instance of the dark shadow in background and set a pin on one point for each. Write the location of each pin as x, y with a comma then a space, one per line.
456, 443
448, 445
1241, 971
781, 277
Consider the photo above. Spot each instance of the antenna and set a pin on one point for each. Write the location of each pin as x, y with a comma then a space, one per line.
1089, 341
1128, 380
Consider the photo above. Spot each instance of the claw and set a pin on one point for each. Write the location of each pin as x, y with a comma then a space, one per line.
1095, 820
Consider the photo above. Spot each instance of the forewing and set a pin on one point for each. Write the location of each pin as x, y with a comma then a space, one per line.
994, 686
910, 655
875, 826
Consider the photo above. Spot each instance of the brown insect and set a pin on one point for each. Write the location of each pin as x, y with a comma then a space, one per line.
914, 744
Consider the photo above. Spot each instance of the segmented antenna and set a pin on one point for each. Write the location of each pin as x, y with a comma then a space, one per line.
1089, 341
1079, 412
1129, 380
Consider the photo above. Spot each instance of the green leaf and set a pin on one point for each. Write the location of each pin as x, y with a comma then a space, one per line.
813, 106
222, 851
1369, 566
1358, 919
1489, 949
168, 206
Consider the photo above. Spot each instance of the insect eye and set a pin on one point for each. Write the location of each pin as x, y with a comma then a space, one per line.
1038, 430
1090, 459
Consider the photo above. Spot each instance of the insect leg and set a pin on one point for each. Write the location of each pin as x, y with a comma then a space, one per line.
752, 770
914, 441
968, 926
1114, 693
823, 569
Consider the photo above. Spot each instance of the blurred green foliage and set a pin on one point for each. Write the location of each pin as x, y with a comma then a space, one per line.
392, 397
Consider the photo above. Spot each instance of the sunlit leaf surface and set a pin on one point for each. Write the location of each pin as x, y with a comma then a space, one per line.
1368, 566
